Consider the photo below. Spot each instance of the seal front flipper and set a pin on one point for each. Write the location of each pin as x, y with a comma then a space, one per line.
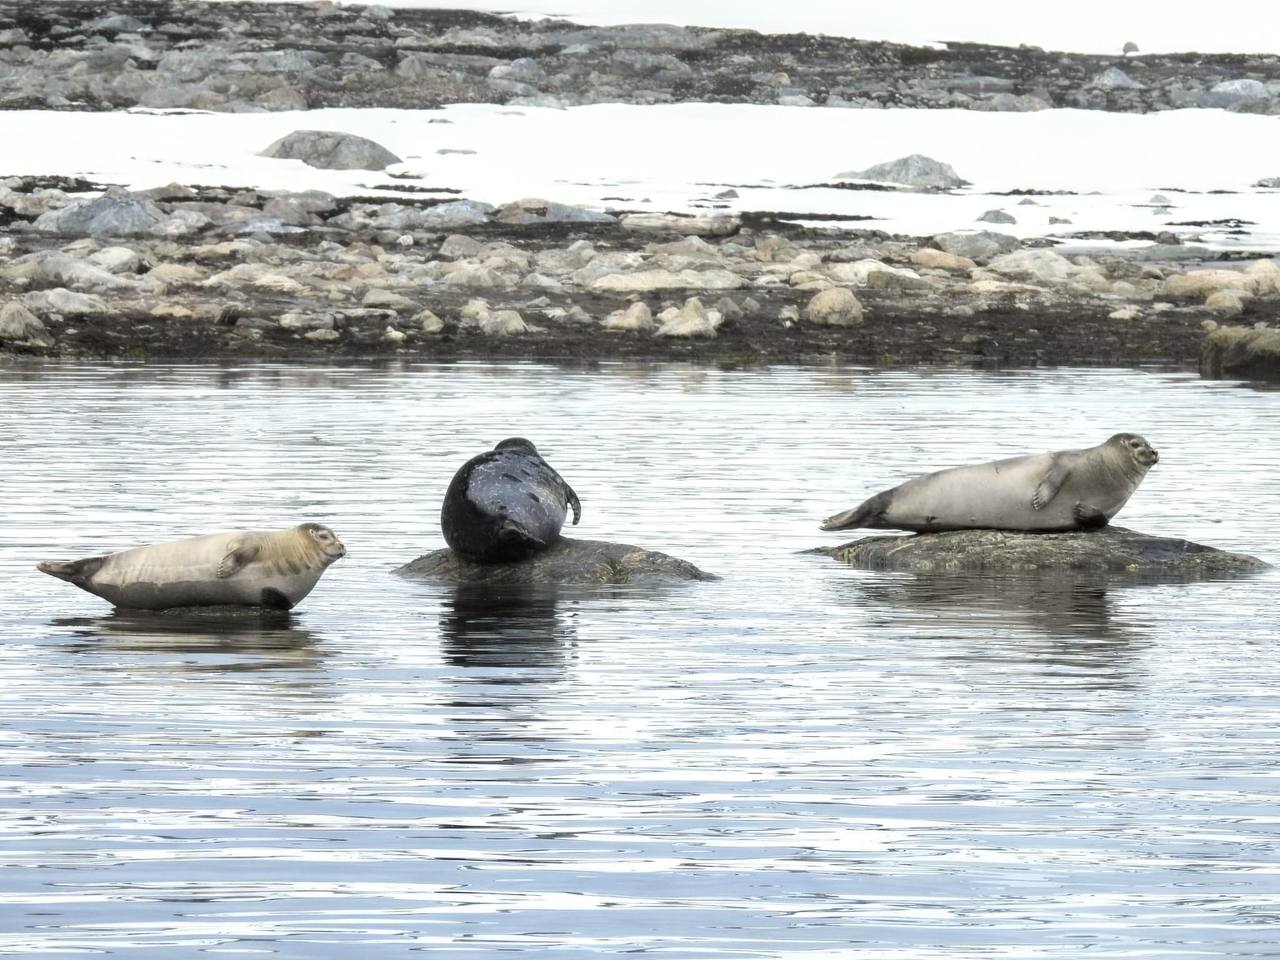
512, 533
1090, 518
236, 559
1049, 486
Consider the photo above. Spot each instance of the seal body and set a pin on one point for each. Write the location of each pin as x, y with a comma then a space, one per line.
1064, 490
271, 568
506, 504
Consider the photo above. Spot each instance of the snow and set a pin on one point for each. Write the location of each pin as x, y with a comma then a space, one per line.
678, 157
1081, 26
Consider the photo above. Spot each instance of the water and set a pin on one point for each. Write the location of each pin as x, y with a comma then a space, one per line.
799, 760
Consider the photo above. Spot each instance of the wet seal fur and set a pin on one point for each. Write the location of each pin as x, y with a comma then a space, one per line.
268, 568
506, 505
1063, 490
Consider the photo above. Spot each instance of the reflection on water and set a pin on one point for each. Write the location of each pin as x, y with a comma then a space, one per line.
798, 759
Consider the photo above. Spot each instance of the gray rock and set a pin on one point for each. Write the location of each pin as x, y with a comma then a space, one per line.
1110, 550
329, 150
548, 211
1241, 352
115, 214
979, 246
836, 307
685, 226
19, 323
1269, 183
1231, 93
1113, 78
915, 170
566, 561
997, 216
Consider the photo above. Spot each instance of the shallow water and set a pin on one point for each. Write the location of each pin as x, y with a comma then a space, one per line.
800, 759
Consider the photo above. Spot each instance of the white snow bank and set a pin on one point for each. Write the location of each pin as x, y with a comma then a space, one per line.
679, 157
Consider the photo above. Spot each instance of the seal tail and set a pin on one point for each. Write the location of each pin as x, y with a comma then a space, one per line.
72, 571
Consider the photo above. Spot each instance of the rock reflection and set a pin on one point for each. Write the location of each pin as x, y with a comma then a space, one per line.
218, 643
1059, 624
516, 627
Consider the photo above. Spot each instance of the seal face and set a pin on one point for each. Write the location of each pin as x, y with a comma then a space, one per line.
1064, 490
272, 568
506, 504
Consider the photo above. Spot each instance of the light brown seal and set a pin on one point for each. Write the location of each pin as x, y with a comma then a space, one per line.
1064, 490
270, 568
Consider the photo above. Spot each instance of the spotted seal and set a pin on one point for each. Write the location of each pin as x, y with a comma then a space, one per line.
271, 568
506, 504
1063, 490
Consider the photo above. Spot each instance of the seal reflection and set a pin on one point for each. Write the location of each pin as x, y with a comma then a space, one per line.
507, 627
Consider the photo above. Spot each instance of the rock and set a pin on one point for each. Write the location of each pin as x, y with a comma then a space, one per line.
55, 267
691, 320
1113, 78
117, 260
1124, 313
547, 211
645, 281
836, 307
876, 275
1196, 284
429, 322
502, 323
1045, 266
1269, 183
387, 300
566, 561
637, 317
61, 300
329, 150
1110, 550
979, 246
19, 323
521, 70
713, 226
457, 246
916, 170
1225, 303
454, 213
1239, 92
997, 216
932, 259
114, 214
1241, 351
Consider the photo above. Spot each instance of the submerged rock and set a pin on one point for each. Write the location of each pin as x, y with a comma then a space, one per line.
1110, 550
566, 561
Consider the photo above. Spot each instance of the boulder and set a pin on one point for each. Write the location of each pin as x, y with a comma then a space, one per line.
1110, 550
916, 170
329, 150
548, 211
1241, 351
685, 226
836, 307
19, 323
691, 320
1113, 78
643, 281
979, 246
566, 561
637, 317
115, 214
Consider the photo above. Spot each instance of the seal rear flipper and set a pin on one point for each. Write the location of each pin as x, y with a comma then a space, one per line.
1049, 486
1090, 518
72, 571
574, 502
513, 533
237, 558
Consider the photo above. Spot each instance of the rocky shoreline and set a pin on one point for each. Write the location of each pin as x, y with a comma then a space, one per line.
269, 56
191, 273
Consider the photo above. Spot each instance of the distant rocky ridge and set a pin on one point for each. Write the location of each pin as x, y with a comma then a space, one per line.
263, 56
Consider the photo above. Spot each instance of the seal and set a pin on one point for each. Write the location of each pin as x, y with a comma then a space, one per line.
1064, 490
506, 504
270, 568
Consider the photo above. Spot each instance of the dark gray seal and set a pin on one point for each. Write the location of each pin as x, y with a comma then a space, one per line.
270, 568
506, 504
1064, 490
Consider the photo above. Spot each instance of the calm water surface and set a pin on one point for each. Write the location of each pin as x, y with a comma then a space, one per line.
799, 760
